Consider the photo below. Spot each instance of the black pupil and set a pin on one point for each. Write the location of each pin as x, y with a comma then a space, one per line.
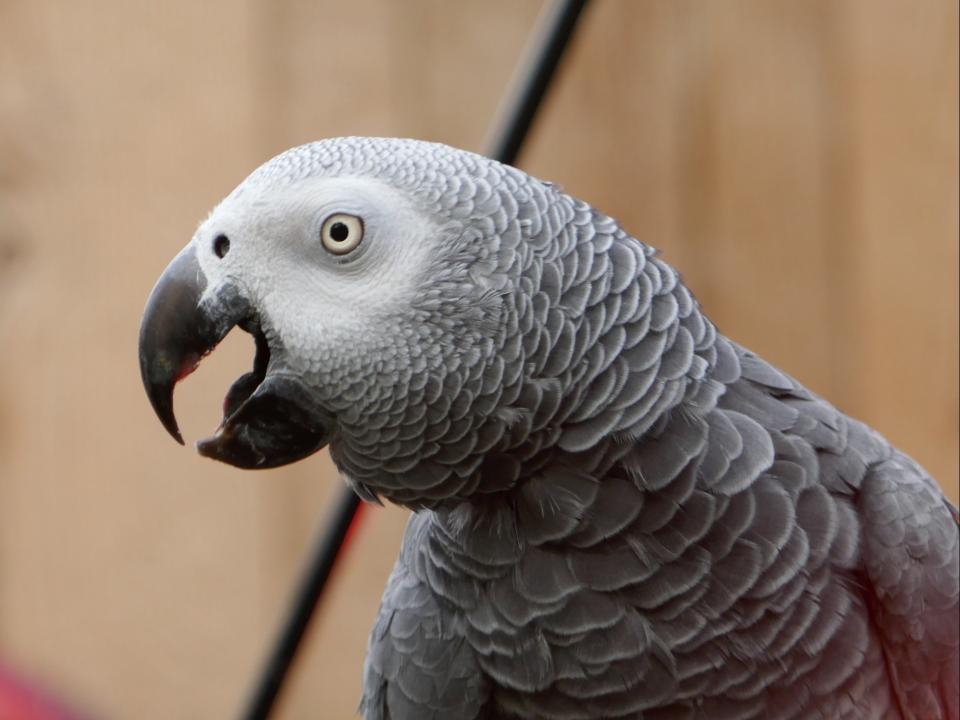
339, 232
221, 245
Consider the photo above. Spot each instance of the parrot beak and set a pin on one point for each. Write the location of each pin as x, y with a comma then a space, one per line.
176, 333
268, 420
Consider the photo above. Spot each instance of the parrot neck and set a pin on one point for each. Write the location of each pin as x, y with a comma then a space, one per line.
572, 504
559, 385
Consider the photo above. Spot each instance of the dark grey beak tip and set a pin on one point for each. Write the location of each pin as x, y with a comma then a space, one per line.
162, 401
156, 374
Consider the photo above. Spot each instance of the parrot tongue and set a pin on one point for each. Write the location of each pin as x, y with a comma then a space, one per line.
247, 383
268, 419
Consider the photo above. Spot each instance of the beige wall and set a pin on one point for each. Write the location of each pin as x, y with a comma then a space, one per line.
798, 162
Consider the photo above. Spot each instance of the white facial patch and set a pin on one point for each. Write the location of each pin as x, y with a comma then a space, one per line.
308, 296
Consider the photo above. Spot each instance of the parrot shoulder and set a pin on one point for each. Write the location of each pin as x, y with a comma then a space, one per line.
418, 662
911, 558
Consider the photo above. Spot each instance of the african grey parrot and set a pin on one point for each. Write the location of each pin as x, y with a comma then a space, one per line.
621, 513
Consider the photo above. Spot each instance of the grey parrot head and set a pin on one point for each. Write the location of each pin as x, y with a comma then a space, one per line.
397, 294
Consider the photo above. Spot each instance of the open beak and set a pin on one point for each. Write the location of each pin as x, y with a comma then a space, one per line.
268, 419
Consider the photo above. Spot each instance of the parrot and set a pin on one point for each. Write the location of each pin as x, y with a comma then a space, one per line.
618, 512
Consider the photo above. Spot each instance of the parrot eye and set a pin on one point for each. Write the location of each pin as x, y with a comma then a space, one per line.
341, 233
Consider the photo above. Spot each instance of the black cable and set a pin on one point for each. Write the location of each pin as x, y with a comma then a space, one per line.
532, 79
528, 88
324, 556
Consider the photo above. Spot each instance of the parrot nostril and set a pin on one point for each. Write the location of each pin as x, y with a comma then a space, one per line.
221, 245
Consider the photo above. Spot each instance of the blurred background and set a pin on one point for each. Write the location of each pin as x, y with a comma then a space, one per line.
798, 161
